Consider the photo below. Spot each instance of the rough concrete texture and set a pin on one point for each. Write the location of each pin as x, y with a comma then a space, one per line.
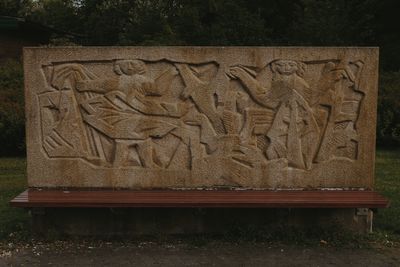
125, 223
190, 117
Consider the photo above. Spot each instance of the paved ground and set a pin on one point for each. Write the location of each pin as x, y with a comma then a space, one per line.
186, 254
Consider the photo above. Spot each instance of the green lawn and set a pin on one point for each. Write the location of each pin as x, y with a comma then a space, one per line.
386, 222
12, 182
387, 182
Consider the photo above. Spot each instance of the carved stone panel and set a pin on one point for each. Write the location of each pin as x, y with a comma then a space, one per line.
201, 117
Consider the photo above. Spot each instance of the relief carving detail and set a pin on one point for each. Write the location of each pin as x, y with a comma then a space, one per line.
172, 115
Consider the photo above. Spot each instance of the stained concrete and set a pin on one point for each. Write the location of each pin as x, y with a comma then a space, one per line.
126, 223
189, 117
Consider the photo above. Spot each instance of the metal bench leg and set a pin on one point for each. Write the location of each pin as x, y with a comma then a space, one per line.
38, 220
365, 215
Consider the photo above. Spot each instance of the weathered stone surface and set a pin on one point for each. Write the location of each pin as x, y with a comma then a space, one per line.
190, 117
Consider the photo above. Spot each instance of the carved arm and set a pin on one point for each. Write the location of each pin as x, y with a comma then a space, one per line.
98, 86
255, 89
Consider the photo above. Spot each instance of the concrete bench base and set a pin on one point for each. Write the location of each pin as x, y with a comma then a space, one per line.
130, 222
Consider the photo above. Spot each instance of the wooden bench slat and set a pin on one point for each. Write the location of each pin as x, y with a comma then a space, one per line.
200, 198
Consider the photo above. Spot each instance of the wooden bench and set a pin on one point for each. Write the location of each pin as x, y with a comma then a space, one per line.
36, 198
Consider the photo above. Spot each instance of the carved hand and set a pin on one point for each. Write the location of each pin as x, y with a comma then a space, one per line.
237, 72
81, 86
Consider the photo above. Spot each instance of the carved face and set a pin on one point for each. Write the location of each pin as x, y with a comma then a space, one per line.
285, 67
130, 67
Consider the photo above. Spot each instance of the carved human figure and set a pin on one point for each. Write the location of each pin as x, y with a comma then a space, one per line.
114, 121
294, 129
135, 84
132, 80
125, 109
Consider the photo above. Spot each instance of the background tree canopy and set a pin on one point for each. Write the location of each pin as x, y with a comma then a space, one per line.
229, 22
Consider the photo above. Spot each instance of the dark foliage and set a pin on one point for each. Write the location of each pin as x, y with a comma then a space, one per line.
12, 129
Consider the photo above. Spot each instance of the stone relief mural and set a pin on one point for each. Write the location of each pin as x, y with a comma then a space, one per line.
133, 113
171, 115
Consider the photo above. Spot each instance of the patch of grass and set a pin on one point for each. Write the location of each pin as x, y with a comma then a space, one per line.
387, 182
12, 182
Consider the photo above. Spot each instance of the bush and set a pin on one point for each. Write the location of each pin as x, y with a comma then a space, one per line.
12, 122
388, 127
